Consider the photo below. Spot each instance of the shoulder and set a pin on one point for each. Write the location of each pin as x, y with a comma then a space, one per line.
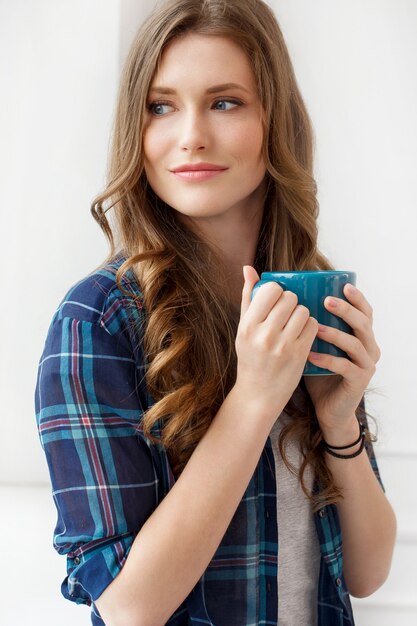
98, 299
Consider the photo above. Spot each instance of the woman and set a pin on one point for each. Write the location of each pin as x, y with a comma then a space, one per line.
193, 467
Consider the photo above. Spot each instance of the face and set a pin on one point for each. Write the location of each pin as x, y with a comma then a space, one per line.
197, 117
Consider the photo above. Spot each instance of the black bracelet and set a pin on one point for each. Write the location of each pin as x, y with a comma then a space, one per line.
348, 456
329, 449
361, 434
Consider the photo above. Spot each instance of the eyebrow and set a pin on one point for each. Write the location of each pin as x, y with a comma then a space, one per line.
214, 89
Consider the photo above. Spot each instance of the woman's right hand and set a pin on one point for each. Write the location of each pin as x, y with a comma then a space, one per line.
273, 340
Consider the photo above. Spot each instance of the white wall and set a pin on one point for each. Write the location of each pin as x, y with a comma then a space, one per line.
59, 74
59, 64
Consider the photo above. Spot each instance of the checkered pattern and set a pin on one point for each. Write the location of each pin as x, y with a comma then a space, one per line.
107, 478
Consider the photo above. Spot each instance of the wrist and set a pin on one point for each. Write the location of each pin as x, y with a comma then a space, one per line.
342, 434
349, 450
262, 411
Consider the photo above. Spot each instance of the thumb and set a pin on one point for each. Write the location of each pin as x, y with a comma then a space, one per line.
251, 277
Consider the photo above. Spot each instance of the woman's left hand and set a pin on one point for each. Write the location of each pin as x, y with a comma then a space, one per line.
336, 398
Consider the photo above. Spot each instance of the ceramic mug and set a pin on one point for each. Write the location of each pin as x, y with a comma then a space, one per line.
311, 288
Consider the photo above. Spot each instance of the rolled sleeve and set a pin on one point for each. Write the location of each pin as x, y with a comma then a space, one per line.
104, 481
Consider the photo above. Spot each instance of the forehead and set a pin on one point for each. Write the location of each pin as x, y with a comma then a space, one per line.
203, 59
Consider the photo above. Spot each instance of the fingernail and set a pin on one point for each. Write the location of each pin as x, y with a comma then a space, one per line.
322, 328
351, 288
332, 302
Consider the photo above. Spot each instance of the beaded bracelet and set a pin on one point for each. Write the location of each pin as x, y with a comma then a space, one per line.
348, 456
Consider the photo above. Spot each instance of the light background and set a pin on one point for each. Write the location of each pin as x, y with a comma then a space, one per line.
60, 64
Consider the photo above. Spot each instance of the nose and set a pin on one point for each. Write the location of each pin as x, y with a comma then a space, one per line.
194, 132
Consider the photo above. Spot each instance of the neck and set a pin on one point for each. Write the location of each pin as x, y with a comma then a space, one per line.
234, 238
240, 252
233, 234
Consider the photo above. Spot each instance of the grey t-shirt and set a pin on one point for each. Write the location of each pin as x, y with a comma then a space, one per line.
298, 544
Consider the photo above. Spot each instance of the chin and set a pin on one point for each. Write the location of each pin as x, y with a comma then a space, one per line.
199, 209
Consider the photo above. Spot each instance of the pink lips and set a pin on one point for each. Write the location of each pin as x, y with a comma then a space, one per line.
198, 171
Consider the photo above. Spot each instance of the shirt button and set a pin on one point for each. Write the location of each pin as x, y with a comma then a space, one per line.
77, 560
267, 513
338, 582
269, 586
323, 512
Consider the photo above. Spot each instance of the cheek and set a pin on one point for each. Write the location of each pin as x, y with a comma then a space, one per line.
248, 143
152, 147
254, 138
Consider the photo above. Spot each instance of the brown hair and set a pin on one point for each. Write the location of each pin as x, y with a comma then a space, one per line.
190, 331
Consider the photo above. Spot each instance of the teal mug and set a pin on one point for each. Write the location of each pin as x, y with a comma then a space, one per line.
311, 288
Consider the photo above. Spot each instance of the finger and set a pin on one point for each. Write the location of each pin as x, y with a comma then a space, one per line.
358, 300
291, 318
280, 315
264, 300
360, 323
349, 343
356, 297
251, 278
335, 364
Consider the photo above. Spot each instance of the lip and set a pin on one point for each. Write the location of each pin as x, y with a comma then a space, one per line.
198, 167
192, 172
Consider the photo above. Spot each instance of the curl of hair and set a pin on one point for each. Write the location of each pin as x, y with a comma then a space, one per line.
190, 332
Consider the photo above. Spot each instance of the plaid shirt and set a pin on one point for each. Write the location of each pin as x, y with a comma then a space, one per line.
107, 477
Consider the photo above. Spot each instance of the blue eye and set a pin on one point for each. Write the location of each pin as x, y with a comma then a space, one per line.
156, 108
232, 102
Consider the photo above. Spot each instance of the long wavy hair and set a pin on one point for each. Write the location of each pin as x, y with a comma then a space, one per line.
190, 330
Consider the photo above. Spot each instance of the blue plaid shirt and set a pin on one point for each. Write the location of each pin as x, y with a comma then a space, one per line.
107, 478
